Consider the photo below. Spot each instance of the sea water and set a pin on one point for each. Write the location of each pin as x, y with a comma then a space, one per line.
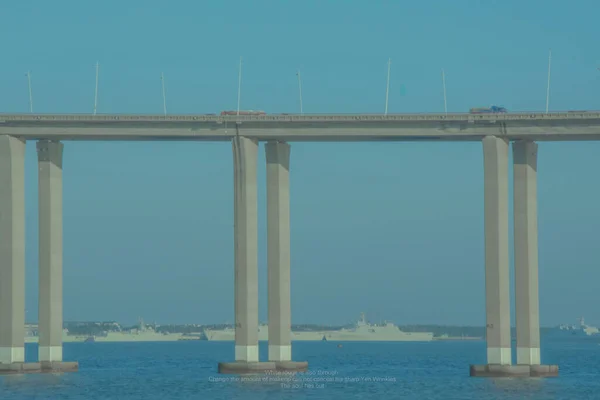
356, 370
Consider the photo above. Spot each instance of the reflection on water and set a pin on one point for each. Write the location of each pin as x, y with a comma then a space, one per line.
49, 381
9, 380
519, 386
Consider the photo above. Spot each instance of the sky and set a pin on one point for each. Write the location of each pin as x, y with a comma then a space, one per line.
391, 229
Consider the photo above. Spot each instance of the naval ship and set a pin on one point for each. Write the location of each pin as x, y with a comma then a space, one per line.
228, 334
31, 335
583, 330
365, 332
142, 333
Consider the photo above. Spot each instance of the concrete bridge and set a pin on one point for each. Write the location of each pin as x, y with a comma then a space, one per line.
495, 131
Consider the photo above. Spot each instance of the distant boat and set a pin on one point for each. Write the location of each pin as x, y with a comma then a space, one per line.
228, 334
388, 332
583, 330
143, 333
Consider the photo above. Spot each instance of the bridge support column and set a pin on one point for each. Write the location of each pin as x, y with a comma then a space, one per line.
50, 325
497, 301
278, 256
12, 253
526, 258
245, 152
495, 155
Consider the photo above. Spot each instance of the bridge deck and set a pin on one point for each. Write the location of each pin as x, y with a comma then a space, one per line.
556, 126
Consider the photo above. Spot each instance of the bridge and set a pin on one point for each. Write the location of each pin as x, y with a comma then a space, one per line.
494, 131
578, 125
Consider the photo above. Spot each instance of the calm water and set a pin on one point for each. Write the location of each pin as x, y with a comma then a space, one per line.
187, 370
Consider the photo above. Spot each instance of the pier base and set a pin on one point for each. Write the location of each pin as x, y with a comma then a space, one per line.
513, 371
38, 367
241, 367
292, 366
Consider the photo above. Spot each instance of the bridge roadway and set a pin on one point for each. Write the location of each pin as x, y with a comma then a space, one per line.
554, 126
494, 131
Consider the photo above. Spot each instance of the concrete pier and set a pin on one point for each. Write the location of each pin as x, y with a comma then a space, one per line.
526, 257
497, 301
12, 259
245, 153
513, 371
50, 323
526, 252
495, 152
278, 257
278, 251
12, 252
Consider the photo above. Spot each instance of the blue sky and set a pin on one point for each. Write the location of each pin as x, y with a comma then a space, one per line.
392, 229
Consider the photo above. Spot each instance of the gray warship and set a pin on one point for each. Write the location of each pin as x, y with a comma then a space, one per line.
228, 334
365, 332
581, 330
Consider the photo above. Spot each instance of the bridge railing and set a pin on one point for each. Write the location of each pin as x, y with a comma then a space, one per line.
287, 117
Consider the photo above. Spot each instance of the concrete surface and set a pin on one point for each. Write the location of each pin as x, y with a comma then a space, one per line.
38, 367
555, 126
12, 250
497, 301
261, 367
240, 367
278, 251
245, 153
513, 371
50, 297
526, 252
